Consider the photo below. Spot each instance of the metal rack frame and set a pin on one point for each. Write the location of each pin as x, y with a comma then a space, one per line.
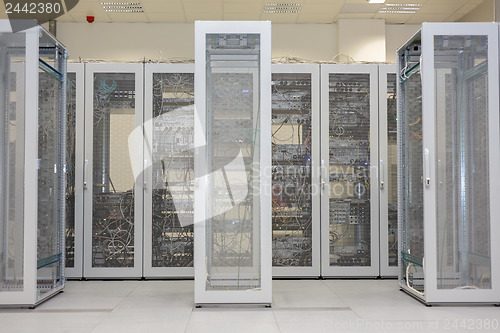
432, 113
76, 271
386, 270
37, 278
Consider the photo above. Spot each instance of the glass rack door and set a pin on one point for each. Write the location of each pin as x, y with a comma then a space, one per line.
295, 154
113, 171
169, 173
349, 167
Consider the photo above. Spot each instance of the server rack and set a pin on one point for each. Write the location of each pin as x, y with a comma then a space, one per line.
232, 215
75, 110
349, 171
448, 164
113, 178
169, 170
295, 170
388, 170
32, 167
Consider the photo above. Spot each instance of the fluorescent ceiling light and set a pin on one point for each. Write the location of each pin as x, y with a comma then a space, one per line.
376, 1
282, 8
122, 7
399, 8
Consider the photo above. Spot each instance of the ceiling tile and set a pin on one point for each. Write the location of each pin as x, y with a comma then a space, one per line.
202, 8
128, 17
241, 16
163, 6
3, 15
313, 11
203, 17
355, 1
280, 18
86, 5
454, 17
360, 8
355, 16
394, 18
66, 17
414, 1
166, 17
315, 18
436, 7
242, 8
321, 6
465, 9
419, 18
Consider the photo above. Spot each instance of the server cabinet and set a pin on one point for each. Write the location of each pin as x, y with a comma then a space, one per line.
169, 170
448, 164
32, 171
349, 171
75, 87
295, 170
113, 165
232, 213
388, 171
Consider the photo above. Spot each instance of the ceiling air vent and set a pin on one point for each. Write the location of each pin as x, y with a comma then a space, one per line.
122, 7
400, 8
282, 8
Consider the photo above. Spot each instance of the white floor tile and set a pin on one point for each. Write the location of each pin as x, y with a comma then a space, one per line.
39, 322
302, 320
340, 306
231, 321
303, 293
141, 319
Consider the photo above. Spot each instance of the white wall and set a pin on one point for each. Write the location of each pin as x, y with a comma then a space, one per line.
156, 41
309, 41
136, 41
362, 39
127, 41
485, 12
397, 35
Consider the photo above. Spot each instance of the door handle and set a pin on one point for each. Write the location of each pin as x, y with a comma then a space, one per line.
382, 174
427, 178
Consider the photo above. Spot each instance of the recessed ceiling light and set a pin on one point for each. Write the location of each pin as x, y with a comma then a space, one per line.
282, 8
399, 8
122, 7
376, 1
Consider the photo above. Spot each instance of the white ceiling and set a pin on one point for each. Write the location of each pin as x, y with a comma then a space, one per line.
313, 11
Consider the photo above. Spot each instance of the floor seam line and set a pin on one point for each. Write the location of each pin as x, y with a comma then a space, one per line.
187, 323
276, 320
